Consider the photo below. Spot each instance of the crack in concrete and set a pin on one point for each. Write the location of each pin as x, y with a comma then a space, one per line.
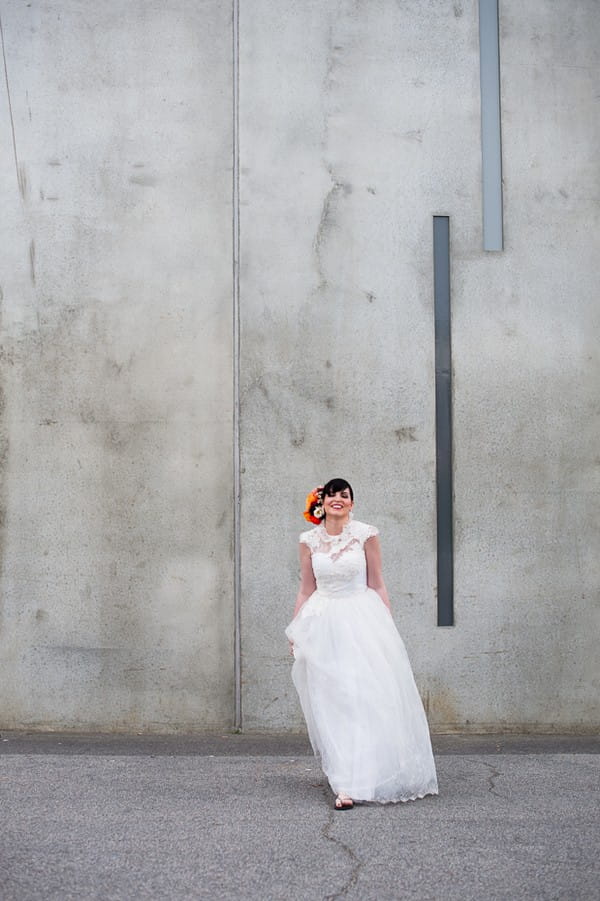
354, 860
338, 188
325, 222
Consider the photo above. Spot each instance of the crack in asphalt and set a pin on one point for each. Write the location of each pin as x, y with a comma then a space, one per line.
354, 860
491, 779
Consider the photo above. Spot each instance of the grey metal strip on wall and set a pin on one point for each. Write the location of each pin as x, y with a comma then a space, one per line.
443, 421
491, 136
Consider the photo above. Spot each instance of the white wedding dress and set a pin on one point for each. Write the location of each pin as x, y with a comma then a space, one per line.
364, 715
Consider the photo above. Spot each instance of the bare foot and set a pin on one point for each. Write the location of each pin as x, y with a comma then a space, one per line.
343, 802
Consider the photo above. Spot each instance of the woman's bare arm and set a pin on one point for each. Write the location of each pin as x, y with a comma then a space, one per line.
307, 578
374, 573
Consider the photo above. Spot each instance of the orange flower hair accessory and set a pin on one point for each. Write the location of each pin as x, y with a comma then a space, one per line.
314, 506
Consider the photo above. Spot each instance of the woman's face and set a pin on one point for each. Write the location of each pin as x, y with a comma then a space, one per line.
338, 505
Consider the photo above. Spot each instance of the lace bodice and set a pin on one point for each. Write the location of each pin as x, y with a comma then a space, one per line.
339, 561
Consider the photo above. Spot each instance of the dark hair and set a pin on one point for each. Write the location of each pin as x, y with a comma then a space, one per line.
335, 485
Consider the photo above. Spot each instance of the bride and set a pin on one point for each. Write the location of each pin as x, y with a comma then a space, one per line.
364, 715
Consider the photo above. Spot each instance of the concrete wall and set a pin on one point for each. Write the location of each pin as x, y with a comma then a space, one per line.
358, 123
346, 162
116, 368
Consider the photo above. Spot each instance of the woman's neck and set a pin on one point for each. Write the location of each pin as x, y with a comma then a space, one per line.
335, 526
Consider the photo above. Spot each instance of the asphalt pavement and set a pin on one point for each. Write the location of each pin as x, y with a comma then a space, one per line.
251, 817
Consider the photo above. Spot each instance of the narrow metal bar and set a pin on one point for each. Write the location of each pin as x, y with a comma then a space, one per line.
443, 421
491, 135
237, 544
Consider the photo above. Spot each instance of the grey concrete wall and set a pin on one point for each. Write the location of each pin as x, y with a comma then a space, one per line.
116, 365
527, 413
358, 123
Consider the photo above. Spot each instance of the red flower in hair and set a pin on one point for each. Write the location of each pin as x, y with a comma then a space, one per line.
314, 506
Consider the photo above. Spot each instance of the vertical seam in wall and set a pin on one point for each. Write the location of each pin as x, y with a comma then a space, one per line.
10, 111
237, 551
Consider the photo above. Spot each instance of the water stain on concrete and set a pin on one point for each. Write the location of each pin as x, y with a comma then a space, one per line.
441, 707
32, 260
406, 433
22, 181
147, 181
298, 436
86, 413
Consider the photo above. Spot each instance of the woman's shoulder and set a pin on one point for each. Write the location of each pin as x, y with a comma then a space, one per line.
310, 537
364, 530
361, 530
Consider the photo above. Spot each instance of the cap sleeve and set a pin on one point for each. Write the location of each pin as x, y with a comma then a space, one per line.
308, 538
368, 531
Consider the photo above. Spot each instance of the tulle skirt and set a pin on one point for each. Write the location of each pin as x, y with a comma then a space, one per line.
364, 715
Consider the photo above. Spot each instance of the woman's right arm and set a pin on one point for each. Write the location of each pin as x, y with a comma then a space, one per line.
307, 578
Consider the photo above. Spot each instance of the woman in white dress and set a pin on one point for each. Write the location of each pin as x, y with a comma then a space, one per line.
364, 715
